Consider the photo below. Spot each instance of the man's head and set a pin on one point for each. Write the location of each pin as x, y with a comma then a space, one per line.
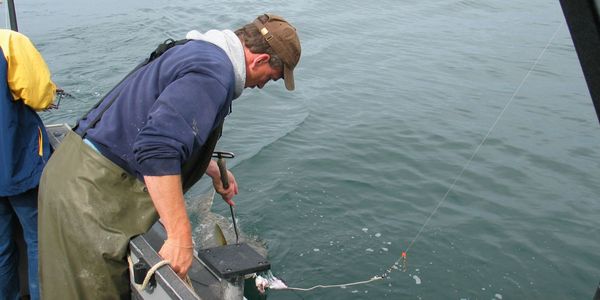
272, 50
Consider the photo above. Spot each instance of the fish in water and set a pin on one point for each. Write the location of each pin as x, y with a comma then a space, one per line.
216, 230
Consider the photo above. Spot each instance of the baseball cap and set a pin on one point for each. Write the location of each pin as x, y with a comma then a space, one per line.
284, 41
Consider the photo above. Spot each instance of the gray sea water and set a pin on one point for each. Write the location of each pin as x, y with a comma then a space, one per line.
379, 150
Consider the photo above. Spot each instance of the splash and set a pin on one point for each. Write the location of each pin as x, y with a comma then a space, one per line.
268, 280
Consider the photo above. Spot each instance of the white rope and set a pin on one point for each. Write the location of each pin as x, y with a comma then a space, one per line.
153, 270
151, 273
374, 278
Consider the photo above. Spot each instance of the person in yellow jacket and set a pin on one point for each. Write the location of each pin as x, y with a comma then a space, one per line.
25, 87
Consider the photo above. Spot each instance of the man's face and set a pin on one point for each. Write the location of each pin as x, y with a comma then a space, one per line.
259, 72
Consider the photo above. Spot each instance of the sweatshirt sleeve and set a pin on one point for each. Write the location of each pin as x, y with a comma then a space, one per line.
183, 115
28, 75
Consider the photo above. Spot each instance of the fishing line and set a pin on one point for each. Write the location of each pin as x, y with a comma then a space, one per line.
403, 256
460, 174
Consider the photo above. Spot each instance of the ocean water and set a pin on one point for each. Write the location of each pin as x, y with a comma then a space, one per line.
432, 127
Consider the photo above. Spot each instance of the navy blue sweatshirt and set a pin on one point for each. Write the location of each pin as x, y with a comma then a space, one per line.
165, 110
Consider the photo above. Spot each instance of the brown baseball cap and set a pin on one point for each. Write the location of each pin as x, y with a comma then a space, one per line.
282, 37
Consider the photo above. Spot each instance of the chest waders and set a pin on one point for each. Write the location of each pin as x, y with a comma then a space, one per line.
89, 209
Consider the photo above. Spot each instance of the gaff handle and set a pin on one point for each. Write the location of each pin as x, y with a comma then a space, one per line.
221, 155
223, 171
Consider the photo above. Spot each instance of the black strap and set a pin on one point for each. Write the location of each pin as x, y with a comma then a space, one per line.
160, 50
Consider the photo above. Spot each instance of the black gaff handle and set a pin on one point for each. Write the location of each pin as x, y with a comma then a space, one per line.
221, 155
223, 171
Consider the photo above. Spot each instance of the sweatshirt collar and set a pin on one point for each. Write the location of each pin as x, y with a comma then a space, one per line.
231, 44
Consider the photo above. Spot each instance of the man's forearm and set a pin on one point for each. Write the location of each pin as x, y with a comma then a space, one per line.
167, 196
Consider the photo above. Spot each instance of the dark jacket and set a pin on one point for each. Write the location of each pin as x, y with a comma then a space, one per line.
166, 111
24, 147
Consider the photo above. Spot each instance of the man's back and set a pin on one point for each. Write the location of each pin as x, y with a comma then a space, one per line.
165, 108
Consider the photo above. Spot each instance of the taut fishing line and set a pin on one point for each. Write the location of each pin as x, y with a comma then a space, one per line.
459, 176
403, 256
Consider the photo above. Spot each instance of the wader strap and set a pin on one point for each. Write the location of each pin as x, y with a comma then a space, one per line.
99, 116
160, 50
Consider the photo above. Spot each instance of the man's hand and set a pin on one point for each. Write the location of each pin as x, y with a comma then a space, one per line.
179, 256
167, 197
227, 194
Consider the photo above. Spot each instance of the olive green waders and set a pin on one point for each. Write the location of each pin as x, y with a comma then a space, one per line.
89, 209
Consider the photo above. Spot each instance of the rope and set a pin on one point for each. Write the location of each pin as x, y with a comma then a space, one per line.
151, 272
374, 278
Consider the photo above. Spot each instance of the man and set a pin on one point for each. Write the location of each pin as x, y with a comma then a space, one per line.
141, 148
25, 87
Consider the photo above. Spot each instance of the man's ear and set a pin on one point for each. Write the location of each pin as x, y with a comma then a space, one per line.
261, 59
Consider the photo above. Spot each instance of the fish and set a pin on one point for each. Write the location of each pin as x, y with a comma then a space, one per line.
221, 240
216, 230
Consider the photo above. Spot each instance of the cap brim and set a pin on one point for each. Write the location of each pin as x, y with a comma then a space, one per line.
288, 78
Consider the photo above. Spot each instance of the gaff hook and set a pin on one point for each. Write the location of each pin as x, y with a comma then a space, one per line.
221, 155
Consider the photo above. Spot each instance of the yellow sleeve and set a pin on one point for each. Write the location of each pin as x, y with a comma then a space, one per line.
28, 75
